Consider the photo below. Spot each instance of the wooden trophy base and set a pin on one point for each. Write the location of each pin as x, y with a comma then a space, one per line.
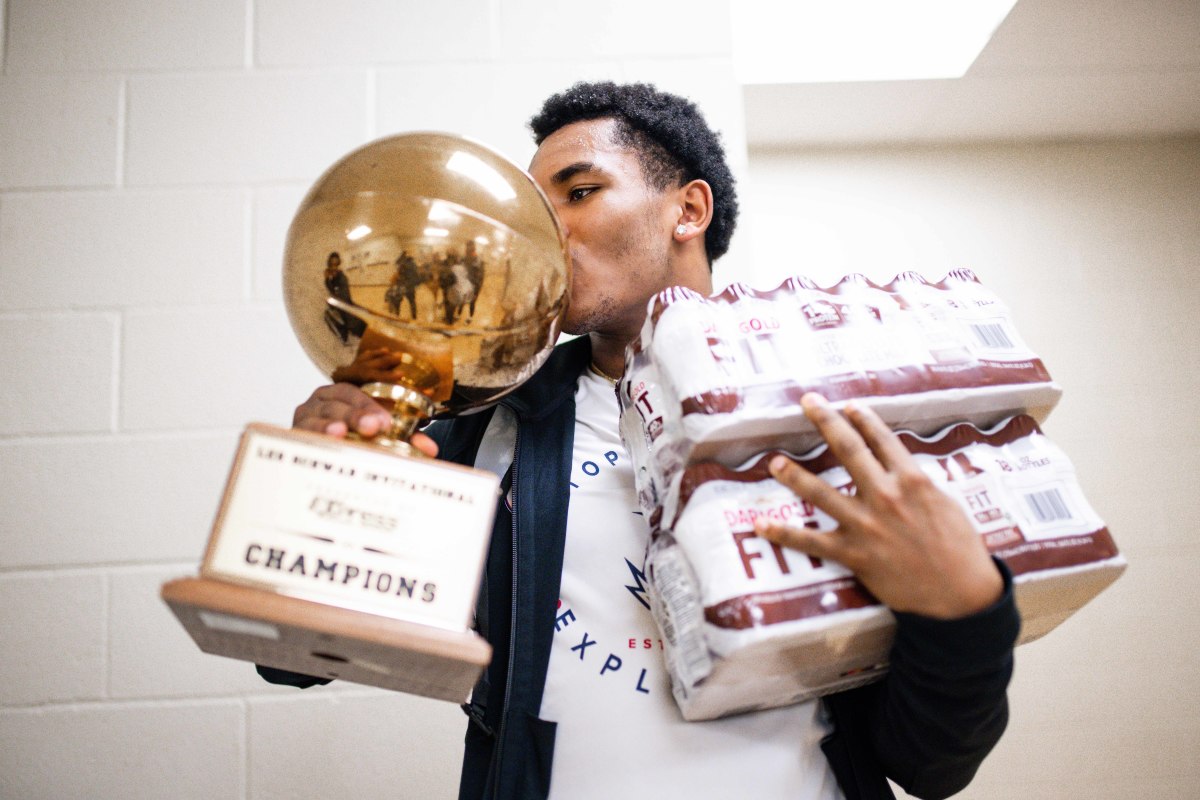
274, 630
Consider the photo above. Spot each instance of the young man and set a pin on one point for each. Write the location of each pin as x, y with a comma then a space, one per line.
576, 703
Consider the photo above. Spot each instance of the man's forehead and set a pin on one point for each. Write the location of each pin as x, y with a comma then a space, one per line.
587, 141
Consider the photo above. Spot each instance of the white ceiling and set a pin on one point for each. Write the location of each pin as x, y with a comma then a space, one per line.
1055, 69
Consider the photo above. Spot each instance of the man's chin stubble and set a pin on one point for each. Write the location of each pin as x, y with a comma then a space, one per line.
595, 320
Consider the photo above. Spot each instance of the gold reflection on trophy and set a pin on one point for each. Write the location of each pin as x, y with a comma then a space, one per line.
428, 270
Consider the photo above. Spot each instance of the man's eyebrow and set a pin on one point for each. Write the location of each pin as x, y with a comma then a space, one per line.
571, 170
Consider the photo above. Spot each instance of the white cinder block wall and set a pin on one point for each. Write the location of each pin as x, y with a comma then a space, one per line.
152, 153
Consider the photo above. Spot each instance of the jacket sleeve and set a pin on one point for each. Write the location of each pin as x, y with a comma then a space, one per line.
285, 678
939, 711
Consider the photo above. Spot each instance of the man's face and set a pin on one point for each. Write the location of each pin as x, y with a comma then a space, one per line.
618, 228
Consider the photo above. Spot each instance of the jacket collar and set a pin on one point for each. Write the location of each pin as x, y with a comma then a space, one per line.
554, 383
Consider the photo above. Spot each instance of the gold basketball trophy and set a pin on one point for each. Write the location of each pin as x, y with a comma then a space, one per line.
432, 273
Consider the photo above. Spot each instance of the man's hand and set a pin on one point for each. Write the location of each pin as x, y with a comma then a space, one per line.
339, 408
908, 542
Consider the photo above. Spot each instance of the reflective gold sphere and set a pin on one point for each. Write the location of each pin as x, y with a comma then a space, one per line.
429, 270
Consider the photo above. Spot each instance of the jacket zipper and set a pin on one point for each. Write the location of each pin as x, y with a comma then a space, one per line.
512, 625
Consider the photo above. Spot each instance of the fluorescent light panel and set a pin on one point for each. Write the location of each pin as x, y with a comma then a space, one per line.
860, 40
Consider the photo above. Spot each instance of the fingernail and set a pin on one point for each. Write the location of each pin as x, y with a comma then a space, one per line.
776, 464
813, 399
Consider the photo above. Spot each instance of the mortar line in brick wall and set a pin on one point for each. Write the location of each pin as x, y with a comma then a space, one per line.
104, 704
115, 398
244, 699
4, 27
121, 437
300, 70
206, 308
248, 244
57, 313
106, 635
122, 131
106, 569
272, 183
248, 52
247, 756
264, 305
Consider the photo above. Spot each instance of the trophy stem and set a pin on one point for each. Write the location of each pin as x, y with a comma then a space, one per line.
408, 408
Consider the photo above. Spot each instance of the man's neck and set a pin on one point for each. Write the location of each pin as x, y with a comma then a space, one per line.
608, 353
608, 349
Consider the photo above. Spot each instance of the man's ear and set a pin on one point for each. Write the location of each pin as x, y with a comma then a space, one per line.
695, 209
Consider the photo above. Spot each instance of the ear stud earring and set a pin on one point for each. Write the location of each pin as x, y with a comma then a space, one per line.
680, 229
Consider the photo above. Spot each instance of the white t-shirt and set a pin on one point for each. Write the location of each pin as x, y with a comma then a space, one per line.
619, 731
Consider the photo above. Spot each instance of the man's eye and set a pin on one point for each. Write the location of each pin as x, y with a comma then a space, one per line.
580, 192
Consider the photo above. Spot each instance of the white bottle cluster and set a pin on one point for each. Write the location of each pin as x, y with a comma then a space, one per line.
711, 391
720, 378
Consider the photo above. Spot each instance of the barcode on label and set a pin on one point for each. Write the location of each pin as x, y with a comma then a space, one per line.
1048, 506
992, 335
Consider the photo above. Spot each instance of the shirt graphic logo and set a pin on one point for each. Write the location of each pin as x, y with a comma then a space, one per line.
638, 590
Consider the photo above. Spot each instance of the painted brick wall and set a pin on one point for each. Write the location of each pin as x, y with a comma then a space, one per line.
153, 152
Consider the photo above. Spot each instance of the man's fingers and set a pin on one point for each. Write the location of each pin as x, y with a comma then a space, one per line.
339, 408
424, 444
886, 446
844, 441
809, 487
321, 416
342, 392
822, 544
370, 421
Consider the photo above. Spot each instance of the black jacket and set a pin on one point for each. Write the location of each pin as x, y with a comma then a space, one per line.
927, 725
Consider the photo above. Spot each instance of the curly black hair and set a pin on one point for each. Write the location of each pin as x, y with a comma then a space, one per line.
673, 142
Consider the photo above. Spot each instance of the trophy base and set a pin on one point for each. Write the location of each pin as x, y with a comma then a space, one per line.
325, 641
